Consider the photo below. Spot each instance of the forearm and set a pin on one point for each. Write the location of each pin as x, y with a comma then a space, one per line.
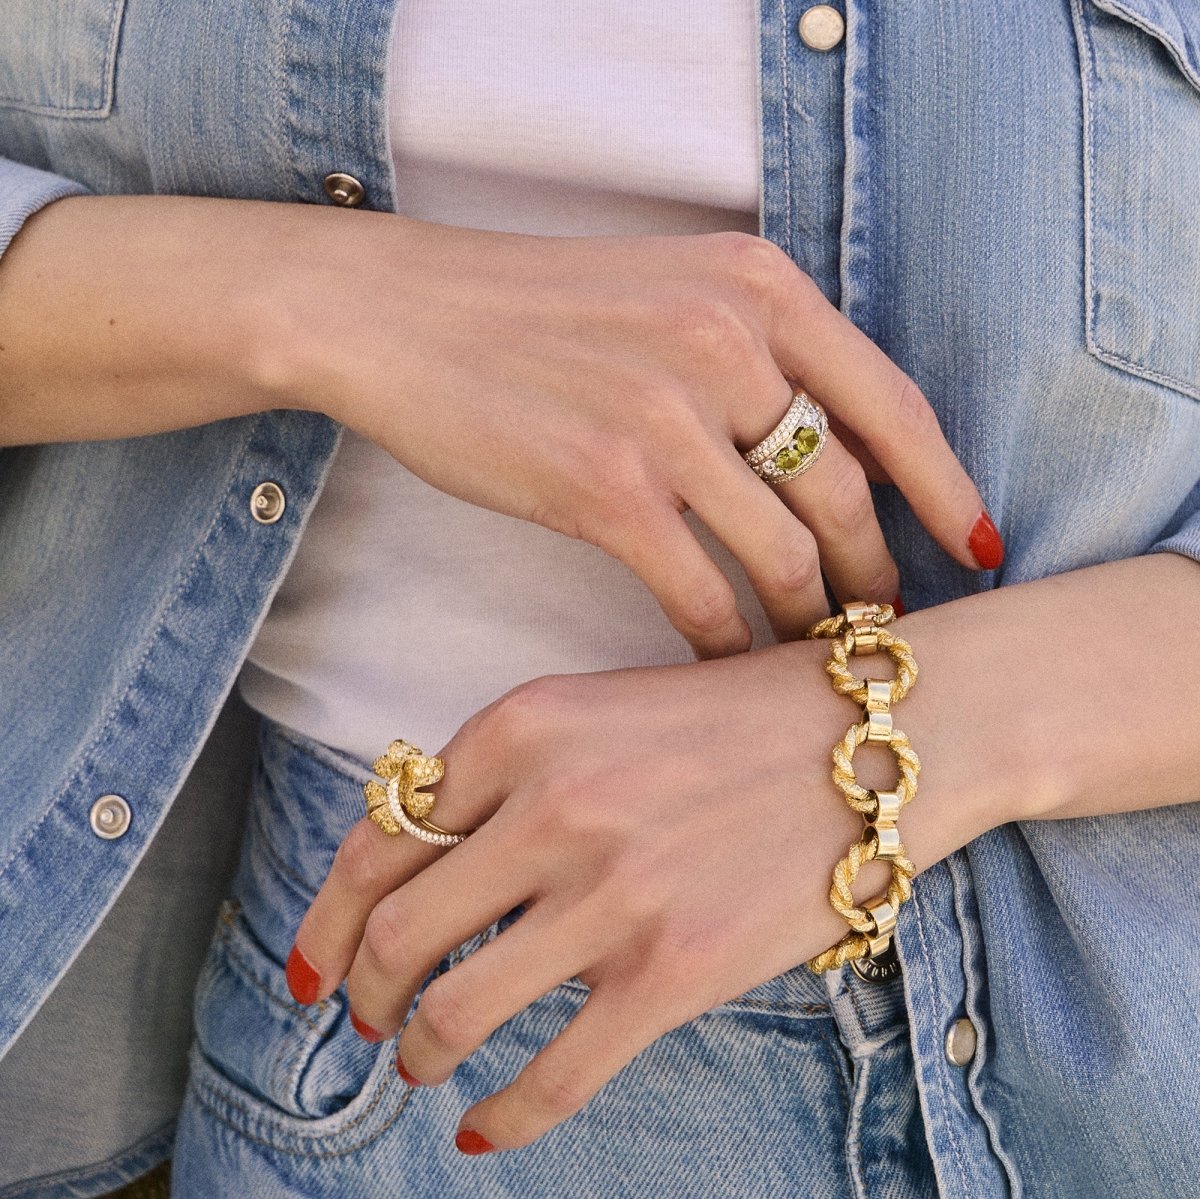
127, 315
1075, 695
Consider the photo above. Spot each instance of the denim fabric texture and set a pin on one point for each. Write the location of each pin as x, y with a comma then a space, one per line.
1003, 197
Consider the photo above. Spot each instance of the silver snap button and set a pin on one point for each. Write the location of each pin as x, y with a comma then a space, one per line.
110, 817
267, 503
344, 190
822, 27
960, 1042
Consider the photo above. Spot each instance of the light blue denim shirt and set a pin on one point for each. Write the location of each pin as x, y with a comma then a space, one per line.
1003, 197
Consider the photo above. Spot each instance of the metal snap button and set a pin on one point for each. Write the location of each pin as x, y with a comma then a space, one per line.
110, 817
822, 27
344, 190
961, 1041
267, 503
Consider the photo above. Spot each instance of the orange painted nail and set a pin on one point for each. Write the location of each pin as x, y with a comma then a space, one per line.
302, 980
985, 543
363, 1029
469, 1141
404, 1074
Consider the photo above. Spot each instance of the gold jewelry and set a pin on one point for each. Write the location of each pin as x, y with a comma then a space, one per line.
793, 445
859, 630
397, 806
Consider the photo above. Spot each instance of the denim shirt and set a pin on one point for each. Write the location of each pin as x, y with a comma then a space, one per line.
1003, 197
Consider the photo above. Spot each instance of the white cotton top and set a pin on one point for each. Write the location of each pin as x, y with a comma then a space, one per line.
406, 610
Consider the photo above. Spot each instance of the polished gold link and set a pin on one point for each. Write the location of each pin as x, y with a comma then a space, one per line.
860, 612
886, 806
882, 913
886, 838
864, 639
879, 727
878, 945
879, 695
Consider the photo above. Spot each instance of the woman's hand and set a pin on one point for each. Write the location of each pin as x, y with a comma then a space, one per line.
598, 386
601, 385
671, 833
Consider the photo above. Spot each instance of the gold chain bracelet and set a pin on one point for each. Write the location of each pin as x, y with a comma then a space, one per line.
859, 630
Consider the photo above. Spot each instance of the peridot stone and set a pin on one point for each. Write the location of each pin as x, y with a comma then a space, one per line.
788, 458
806, 439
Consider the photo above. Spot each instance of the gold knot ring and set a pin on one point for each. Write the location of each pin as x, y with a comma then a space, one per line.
396, 805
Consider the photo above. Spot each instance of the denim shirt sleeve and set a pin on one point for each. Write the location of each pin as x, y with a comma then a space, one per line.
25, 191
1183, 534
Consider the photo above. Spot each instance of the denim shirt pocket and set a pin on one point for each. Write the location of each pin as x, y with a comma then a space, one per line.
1140, 61
59, 59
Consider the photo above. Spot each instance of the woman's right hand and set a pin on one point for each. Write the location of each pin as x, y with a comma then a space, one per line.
598, 385
601, 385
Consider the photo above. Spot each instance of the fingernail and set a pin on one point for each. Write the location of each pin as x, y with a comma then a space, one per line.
408, 1078
469, 1141
898, 605
985, 543
302, 980
363, 1029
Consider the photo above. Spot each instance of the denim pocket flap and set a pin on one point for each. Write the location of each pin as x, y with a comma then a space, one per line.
59, 58
1141, 88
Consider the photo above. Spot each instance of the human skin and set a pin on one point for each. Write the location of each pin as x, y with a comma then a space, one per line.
672, 830
598, 386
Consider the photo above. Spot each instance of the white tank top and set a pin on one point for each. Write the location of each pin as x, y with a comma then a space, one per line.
407, 610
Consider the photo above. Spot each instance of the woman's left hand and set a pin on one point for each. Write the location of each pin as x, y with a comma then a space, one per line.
671, 833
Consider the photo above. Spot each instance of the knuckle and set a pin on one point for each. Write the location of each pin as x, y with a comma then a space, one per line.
754, 261
883, 584
795, 567
707, 609
448, 1021
913, 410
556, 1092
387, 935
851, 504
712, 328
523, 713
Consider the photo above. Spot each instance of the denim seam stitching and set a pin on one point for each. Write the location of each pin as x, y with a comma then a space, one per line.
152, 641
1087, 73
785, 75
960, 886
293, 1009
277, 861
108, 72
946, 1123
209, 1096
854, 1126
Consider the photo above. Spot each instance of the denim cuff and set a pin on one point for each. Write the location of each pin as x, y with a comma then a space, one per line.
24, 191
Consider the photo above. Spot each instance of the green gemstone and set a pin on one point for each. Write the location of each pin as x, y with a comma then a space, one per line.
807, 439
788, 458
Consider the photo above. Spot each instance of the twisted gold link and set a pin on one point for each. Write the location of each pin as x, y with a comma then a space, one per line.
859, 797
847, 683
850, 631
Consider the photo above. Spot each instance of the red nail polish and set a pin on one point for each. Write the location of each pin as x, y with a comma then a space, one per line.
404, 1074
985, 543
363, 1029
302, 980
469, 1141
898, 605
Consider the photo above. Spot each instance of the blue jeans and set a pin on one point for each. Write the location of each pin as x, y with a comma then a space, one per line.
803, 1086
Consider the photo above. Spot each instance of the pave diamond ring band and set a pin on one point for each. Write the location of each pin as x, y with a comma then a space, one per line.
793, 445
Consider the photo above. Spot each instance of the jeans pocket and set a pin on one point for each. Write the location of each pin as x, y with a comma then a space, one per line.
274, 1069
60, 59
1141, 90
